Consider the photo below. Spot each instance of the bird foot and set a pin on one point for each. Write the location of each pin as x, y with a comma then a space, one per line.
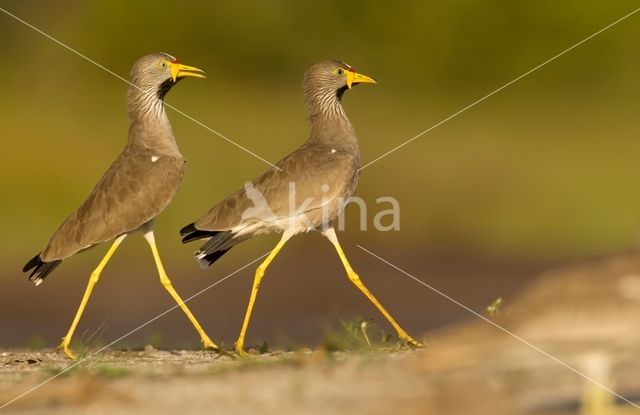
241, 353
64, 346
410, 341
207, 343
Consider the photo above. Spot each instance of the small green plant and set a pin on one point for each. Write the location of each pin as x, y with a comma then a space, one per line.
356, 334
494, 308
36, 343
261, 348
155, 340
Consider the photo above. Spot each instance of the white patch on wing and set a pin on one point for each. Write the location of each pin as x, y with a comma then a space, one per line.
154, 159
333, 150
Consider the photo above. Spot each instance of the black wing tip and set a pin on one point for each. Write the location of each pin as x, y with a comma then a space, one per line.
188, 229
33, 262
206, 260
191, 233
218, 244
40, 268
195, 235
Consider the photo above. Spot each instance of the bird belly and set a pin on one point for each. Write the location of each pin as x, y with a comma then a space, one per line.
291, 225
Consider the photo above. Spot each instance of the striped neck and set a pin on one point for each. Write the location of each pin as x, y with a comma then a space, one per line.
325, 103
329, 122
145, 104
149, 125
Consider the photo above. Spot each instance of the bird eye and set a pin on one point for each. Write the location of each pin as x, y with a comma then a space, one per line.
340, 72
163, 64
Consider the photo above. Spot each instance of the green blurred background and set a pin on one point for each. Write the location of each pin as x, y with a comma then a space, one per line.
543, 172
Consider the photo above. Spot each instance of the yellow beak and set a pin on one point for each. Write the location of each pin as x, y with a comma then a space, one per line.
179, 71
357, 78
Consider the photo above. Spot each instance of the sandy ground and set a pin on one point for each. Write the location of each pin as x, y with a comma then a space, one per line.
485, 381
580, 323
200, 382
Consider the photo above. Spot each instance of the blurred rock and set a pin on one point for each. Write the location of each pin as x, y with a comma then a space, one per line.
582, 318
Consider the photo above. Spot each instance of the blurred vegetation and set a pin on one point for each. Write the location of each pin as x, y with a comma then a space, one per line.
546, 170
357, 334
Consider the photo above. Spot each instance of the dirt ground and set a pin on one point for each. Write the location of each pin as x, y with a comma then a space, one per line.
561, 347
152, 382
188, 382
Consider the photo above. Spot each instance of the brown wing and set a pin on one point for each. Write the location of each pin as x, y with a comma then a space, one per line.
132, 192
310, 167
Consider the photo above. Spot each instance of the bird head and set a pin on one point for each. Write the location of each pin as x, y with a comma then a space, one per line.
158, 72
333, 76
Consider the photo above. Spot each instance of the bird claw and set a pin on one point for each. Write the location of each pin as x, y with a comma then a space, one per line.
64, 346
241, 353
411, 342
207, 343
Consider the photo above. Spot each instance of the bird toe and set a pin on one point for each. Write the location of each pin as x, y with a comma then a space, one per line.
410, 341
242, 353
207, 343
64, 346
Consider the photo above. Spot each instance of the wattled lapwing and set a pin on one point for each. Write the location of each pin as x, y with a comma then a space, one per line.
135, 189
305, 192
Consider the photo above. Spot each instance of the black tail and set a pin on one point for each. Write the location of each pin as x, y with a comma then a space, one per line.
205, 260
190, 233
218, 244
40, 269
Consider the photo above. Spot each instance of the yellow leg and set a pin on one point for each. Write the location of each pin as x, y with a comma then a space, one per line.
355, 279
166, 282
254, 292
93, 279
